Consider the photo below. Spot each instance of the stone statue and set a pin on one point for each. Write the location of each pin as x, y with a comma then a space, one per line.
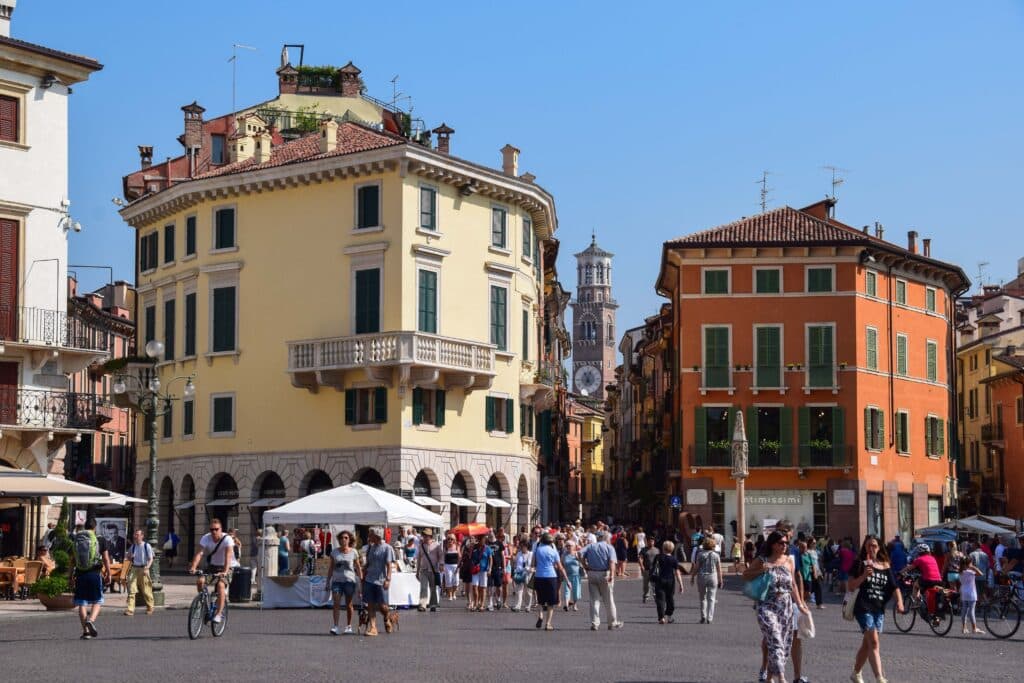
740, 448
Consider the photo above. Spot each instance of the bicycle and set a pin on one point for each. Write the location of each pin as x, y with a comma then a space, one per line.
204, 608
1001, 612
947, 605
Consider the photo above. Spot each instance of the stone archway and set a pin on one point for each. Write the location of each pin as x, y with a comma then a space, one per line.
315, 481
222, 500
370, 477
496, 495
166, 508
186, 513
425, 489
463, 506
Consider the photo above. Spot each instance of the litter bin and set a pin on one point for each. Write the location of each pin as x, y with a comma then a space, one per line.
240, 589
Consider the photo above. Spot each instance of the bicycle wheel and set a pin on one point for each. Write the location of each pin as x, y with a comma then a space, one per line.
905, 620
196, 612
942, 620
1002, 619
218, 628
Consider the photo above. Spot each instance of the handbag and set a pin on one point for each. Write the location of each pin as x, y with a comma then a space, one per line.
849, 602
757, 589
806, 626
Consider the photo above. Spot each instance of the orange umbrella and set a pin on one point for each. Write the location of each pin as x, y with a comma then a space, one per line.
471, 529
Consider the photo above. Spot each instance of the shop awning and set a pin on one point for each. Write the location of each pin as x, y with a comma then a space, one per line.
634, 503
222, 503
188, 505
426, 501
113, 499
25, 484
265, 503
464, 502
496, 503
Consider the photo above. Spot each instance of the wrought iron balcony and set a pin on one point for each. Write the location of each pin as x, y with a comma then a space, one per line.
825, 455
711, 454
810, 456
45, 327
47, 410
991, 432
416, 357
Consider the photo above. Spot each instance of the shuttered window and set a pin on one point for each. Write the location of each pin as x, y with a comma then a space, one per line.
224, 229
871, 344
9, 123
871, 283
820, 349
149, 246
499, 223
874, 429
190, 235
366, 406
168, 426
428, 301
428, 208
935, 436
932, 360
168, 243
428, 406
768, 281
819, 280
9, 279
150, 323
768, 368
902, 432
527, 238
368, 206
929, 299
526, 334
499, 317
901, 355
224, 319
500, 414
223, 417
169, 329
716, 281
901, 292
188, 415
368, 301
190, 324
716, 356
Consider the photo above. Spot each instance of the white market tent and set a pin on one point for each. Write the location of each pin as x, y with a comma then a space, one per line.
970, 526
353, 504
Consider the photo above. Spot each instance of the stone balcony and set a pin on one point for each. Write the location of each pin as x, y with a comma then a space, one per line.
406, 358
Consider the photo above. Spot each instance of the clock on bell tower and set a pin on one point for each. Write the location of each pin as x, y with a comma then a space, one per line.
593, 322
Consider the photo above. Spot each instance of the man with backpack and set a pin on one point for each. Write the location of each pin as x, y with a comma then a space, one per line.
140, 554
91, 557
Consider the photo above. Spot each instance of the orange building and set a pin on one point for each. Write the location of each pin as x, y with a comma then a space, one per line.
1005, 433
836, 345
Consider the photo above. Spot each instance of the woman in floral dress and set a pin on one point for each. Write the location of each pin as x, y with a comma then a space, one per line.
775, 613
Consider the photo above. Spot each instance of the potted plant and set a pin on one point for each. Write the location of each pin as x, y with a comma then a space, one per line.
54, 591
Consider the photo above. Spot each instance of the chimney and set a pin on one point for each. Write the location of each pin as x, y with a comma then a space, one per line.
443, 133
240, 147
510, 161
263, 147
879, 230
1020, 266
328, 136
6, 10
528, 177
287, 80
1011, 350
146, 155
926, 245
96, 299
351, 84
912, 241
193, 137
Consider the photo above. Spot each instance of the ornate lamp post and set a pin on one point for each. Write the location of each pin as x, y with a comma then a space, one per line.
151, 402
740, 471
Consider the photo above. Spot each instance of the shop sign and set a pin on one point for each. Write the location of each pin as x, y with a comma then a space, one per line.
696, 496
775, 498
843, 497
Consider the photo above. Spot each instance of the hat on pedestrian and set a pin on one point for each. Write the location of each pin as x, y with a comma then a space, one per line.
428, 532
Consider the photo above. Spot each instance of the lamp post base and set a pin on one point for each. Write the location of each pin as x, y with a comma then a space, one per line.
158, 597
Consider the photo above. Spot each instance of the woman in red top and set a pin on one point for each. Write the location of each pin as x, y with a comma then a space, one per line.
927, 565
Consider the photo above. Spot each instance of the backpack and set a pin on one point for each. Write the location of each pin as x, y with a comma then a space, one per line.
87, 551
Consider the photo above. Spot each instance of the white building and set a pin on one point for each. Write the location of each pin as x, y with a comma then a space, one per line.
39, 346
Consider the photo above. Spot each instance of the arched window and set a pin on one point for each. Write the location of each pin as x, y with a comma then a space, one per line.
611, 330
600, 273
590, 274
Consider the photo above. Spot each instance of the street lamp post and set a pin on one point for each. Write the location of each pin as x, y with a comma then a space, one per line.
153, 404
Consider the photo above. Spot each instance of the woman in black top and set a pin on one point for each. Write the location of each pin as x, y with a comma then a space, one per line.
872, 578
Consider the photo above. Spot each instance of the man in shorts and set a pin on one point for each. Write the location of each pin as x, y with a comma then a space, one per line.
217, 546
380, 558
89, 580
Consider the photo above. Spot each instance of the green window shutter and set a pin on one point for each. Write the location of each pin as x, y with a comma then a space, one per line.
169, 329
899, 433
224, 319
225, 229
489, 410
154, 247
870, 283
901, 292
350, 406
190, 235
880, 429
820, 361
872, 348
428, 207
168, 243
190, 324
716, 282
368, 301
527, 237
439, 401
868, 441
931, 353
417, 406
510, 416
522, 420
428, 302
940, 434
768, 282
769, 357
700, 436
786, 436
803, 434
716, 345
526, 334
380, 405
368, 198
901, 355
150, 323
499, 297
838, 436
755, 447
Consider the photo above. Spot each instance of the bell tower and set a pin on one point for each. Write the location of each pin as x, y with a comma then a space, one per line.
593, 322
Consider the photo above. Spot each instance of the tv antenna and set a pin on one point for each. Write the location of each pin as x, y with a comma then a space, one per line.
981, 273
837, 177
397, 96
763, 182
234, 75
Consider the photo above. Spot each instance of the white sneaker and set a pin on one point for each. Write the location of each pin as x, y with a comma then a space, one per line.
348, 630
219, 618
334, 630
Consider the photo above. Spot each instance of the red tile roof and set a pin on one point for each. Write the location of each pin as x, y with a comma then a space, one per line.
352, 138
778, 226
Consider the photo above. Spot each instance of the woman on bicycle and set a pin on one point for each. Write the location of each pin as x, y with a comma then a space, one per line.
342, 577
872, 578
927, 566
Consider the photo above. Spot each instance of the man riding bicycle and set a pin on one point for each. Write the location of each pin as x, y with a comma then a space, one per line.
219, 550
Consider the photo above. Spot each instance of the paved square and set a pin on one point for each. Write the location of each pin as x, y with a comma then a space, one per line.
454, 645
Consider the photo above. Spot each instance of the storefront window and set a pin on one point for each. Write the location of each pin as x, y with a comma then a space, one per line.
906, 516
874, 514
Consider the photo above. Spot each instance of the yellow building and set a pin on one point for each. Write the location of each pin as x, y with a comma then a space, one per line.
593, 462
356, 304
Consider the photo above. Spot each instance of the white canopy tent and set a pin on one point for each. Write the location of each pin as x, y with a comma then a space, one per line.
970, 526
353, 504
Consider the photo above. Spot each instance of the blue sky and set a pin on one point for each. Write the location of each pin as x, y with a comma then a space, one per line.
645, 120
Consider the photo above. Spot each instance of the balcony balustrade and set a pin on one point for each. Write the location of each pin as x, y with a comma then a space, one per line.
45, 327
808, 456
37, 409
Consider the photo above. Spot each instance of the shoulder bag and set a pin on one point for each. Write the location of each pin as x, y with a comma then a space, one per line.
757, 589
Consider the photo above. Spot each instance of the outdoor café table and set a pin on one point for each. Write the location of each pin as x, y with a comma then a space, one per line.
11, 573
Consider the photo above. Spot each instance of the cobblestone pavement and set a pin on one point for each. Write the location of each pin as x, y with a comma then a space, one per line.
454, 645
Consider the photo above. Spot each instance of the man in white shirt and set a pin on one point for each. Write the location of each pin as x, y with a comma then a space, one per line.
599, 561
719, 539
217, 546
998, 554
140, 554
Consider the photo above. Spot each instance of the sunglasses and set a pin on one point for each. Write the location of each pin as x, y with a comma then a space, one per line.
214, 528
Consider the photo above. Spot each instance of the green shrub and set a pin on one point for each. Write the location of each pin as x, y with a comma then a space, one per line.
63, 561
52, 585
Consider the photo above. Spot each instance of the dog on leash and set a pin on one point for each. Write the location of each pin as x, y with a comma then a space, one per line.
390, 623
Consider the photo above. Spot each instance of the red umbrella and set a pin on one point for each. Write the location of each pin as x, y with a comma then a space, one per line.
471, 529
